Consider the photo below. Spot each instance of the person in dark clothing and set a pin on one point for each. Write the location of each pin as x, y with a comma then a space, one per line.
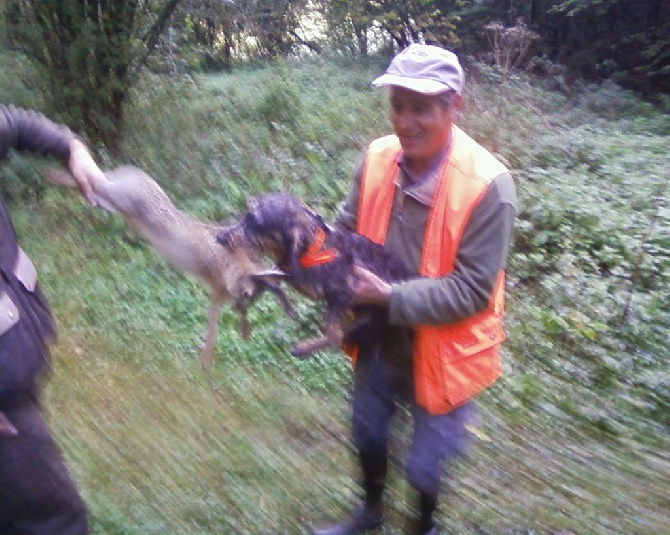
37, 495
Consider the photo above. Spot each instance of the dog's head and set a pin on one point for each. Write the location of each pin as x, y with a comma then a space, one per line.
278, 224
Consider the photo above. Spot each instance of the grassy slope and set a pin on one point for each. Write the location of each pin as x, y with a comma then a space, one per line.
260, 446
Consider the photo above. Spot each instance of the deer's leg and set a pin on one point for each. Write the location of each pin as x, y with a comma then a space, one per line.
59, 177
245, 329
103, 193
207, 353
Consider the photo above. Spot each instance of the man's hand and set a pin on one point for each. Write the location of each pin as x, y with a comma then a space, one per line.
369, 289
6, 427
85, 171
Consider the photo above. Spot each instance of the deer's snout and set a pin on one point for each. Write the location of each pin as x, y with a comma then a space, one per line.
246, 292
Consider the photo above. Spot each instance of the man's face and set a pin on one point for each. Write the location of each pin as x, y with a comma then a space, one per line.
422, 123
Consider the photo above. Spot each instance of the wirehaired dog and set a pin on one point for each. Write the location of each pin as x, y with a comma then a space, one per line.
318, 260
188, 244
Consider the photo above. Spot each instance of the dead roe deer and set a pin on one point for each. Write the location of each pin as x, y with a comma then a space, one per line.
231, 274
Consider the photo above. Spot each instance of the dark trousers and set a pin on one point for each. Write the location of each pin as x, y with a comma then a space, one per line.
37, 495
436, 439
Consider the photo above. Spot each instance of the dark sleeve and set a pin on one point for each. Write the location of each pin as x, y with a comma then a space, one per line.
26, 130
481, 255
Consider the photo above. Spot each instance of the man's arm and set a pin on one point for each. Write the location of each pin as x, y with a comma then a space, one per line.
482, 254
27, 130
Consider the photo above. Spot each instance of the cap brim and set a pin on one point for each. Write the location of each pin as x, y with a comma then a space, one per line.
427, 87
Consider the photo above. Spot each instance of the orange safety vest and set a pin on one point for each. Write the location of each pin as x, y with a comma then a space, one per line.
452, 362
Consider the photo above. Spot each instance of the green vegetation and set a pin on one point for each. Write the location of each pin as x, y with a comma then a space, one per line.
91, 55
573, 439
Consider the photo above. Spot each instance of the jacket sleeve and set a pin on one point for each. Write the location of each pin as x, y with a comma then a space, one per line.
481, 255
26, 130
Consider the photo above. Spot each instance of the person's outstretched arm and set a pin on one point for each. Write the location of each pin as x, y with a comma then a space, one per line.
27, 130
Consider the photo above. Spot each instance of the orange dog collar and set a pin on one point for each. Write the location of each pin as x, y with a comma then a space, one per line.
316, 254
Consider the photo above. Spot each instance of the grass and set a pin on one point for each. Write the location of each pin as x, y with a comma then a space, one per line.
572, 440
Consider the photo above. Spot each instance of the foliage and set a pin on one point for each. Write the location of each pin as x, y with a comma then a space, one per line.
626, 40
88, 54
158, 447
91, 55
510, 45
349, 26
20, 83
246, 29
362, 27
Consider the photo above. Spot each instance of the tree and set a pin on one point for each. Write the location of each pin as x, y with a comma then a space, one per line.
413, 21
626, 40
90, 52
348, 25
218, 27
274, 25
509, 45
351, 23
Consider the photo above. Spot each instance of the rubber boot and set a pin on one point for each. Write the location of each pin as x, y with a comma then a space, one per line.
427, 507
370, 515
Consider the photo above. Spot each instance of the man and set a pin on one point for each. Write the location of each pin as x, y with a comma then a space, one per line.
446, 206
37, 495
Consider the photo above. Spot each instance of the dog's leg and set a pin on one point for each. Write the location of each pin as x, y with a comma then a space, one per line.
305, 348
333, 336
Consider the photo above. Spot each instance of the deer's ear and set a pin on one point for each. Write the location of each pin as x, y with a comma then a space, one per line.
254, 211
270, 279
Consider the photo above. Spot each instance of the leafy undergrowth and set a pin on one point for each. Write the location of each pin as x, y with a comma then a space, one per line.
572, 440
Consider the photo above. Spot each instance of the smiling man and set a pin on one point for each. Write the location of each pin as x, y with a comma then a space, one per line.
446, 207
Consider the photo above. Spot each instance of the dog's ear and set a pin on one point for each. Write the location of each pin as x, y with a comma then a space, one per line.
251, 202
295, 243
321, 223
303, 233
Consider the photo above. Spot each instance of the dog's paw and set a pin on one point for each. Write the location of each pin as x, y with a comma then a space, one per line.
300, 351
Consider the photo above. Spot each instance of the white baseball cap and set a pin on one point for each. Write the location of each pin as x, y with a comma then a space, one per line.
426, 69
